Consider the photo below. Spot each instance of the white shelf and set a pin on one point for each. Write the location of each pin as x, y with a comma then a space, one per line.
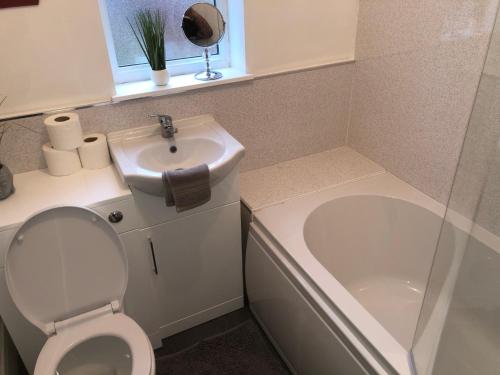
177, 84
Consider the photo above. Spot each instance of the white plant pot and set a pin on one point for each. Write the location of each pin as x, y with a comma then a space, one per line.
160, 77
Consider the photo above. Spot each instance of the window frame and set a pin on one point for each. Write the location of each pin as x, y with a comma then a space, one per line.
191, 65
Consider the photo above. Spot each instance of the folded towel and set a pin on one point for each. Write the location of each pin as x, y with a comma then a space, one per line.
187, 188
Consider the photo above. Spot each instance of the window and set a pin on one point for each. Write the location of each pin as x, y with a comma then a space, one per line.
127, 60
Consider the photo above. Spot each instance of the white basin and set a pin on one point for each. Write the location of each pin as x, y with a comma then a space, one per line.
190, 152
142, 154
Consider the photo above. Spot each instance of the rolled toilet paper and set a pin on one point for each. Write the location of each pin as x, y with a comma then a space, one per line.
65, 132
61, 162
94, 152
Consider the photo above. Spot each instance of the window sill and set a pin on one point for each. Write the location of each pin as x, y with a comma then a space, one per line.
176, 85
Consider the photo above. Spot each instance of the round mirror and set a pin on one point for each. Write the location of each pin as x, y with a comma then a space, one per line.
203, 25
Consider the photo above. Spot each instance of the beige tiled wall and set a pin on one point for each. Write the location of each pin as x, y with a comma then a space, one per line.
276, 118
417, 70
476, 191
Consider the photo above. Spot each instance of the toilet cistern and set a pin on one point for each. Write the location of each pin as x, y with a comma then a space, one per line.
167, 126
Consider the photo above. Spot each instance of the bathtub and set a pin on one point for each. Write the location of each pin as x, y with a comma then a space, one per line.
336, 278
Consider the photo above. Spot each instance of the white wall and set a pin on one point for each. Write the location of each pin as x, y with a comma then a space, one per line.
291, 34
54, 55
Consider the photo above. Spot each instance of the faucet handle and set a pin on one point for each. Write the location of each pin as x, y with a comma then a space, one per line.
166, 118
167, 126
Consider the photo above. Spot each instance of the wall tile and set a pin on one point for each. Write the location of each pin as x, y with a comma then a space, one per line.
476, 190
478, 157
21, 145
415, 81
389, 27
276, 118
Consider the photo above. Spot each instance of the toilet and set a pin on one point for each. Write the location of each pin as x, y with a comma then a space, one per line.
66, 271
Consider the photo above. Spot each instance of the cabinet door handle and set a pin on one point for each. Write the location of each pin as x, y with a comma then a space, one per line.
152, 247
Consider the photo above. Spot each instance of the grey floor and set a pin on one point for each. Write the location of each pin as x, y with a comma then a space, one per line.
232, 344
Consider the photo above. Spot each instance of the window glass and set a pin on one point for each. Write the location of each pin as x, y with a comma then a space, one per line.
128, 52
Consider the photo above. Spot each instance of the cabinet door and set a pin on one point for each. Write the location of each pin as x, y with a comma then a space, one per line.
142, 301
199, 265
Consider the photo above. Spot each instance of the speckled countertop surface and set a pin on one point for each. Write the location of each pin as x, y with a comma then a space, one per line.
37, 190
267, 186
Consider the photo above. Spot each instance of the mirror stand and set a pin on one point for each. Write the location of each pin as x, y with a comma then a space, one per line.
208, 75
204, 26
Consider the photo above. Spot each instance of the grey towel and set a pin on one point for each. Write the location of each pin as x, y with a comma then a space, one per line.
187, 188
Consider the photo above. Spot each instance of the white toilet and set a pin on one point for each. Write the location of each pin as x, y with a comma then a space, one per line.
66, 270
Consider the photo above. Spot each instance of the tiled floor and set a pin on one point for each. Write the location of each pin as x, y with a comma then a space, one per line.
232, 344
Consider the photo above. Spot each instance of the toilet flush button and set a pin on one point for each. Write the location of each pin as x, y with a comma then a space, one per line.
115, 217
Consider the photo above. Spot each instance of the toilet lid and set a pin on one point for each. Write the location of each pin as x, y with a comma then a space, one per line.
63, 262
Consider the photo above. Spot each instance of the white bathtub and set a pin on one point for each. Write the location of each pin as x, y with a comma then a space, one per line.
337, 277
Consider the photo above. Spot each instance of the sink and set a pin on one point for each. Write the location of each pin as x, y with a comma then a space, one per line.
184, 153
142, 154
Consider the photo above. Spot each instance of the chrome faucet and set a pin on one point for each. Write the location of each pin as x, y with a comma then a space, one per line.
167, 126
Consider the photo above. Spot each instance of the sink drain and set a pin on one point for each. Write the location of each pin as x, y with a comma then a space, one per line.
173, 149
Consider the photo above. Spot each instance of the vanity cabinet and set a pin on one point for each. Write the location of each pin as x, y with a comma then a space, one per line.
184, 272
184, 268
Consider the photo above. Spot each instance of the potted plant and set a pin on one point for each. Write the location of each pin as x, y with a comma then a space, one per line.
148, 27
6, 178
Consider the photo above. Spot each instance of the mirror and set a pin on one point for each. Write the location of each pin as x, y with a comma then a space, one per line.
204, 26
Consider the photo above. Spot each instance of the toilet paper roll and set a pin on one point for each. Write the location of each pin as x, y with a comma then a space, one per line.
61, 162
65, 132
94, 152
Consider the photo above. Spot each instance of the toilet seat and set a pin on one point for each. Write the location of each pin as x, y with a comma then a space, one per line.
66, 271
116, 325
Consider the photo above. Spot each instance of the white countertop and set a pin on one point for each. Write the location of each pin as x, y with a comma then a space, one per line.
265, 187
37, 190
